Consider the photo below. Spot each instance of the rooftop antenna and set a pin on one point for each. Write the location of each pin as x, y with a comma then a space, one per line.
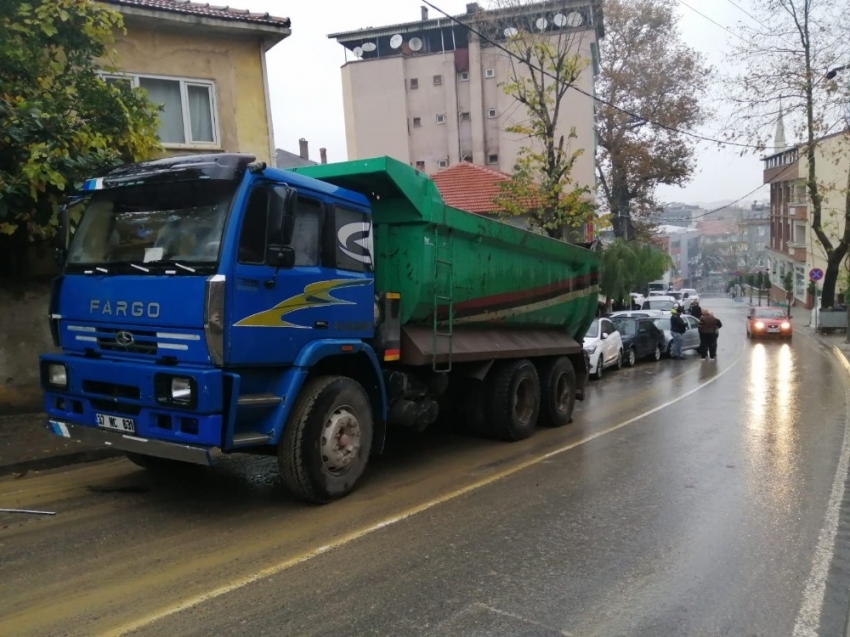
396, 41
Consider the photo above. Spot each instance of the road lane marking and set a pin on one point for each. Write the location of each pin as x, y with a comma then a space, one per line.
808, 619
348, 538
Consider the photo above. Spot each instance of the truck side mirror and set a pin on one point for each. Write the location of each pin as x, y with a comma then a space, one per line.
280, 257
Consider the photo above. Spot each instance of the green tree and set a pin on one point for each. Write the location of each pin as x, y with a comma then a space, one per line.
59, 121
543, 65
629, 266
648, 76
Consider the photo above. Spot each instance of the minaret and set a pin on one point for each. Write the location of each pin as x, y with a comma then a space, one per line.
779, 140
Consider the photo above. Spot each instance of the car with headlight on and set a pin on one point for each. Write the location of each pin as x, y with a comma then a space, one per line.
603, 346
769, 321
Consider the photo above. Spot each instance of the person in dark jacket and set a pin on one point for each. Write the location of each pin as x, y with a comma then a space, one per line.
677, 329
708, 327
696, 310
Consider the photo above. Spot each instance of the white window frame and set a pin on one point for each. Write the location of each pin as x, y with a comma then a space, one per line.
185, 83
414, 84
417, 122
438, 80
443, 163
441, 119
466, 116
491, 160
464, 76
489, 73
491, 113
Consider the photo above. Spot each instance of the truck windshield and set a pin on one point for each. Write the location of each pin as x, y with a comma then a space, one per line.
179, 222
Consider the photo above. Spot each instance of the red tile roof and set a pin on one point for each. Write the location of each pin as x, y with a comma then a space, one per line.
716, 227
205, 10
469, 187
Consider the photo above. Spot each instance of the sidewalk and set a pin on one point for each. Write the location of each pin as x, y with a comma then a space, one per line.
27, 445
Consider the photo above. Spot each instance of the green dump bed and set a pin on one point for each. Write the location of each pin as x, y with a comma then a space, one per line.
489, 272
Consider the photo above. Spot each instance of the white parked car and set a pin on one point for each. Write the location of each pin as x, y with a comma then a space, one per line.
637, 299
689, 295
603, 346
663, 303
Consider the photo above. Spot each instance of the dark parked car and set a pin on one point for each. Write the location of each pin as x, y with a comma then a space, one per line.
641, 339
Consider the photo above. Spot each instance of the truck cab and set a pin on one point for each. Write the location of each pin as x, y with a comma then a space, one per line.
196, 293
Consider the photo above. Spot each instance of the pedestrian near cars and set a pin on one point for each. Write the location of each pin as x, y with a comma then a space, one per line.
708, 330
696, 310
677, 330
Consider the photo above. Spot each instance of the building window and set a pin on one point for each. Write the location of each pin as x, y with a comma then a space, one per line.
441, 119
414, 83
491, 113
188, 116
493, 158
438, 80
800, 234
464, 76
417, 122
465, 117
490, 73
761, 231
420, 165
444, 163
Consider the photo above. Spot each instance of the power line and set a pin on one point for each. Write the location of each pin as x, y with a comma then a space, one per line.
685, 4
735, 4
585, 93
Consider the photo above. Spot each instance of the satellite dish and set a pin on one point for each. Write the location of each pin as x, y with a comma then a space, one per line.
560, 20
511, 32
542, 23
396, 41
574, 19
415, 44
369, 46
358, 52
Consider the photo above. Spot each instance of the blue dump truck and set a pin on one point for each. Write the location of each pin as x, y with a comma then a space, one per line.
211, 304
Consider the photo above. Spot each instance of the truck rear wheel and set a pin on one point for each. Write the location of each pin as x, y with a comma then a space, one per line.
513, 400
557, 392
327, 439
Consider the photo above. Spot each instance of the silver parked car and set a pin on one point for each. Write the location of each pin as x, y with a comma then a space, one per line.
690, 339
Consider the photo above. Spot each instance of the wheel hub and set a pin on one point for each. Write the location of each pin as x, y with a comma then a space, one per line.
340, 440
562, 393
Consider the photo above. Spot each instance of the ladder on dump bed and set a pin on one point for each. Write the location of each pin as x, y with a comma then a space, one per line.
443, 333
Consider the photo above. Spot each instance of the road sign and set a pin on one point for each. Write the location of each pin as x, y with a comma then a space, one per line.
815, 274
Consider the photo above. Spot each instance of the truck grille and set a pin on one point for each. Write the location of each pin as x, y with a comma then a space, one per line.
135, 342
113, 390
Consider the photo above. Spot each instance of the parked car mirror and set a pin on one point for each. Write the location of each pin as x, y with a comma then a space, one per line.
604, 335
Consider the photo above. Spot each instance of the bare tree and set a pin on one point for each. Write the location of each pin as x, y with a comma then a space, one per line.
787, 56
547, 50
653, 87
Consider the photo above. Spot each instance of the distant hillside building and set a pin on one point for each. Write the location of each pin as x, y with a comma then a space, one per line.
677, 214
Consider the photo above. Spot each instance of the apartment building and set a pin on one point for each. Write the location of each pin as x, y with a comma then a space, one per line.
430, 92
793, 245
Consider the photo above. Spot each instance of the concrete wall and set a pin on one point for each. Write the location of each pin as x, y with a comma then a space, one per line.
234, 64
24, 334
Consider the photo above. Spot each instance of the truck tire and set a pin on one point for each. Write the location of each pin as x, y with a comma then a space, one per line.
326, 442
513, 400
557, 392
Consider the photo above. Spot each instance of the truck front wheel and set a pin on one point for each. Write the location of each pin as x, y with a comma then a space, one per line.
513, 401
557, 391
327, 439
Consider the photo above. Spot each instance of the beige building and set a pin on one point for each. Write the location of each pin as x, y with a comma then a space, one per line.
430, 92
794, 247
207, 66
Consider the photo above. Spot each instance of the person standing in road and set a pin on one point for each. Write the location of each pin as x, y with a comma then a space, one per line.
708, 326
696, 310
677, 329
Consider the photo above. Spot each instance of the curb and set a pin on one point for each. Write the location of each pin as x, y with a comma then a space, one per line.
62, 460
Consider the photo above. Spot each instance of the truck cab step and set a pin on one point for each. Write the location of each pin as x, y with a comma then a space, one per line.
258, 400
247, 438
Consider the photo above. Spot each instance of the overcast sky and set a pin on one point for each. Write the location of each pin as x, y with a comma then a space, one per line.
306, 91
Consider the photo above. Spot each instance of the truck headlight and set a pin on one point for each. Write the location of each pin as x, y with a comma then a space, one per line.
57, 375
181, 390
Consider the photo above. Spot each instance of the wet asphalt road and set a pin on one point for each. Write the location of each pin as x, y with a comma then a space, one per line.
719, 512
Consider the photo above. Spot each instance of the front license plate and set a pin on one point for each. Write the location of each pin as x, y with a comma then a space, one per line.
772, 329
127, 425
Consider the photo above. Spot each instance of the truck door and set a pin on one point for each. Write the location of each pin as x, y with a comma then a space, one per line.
277, 310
